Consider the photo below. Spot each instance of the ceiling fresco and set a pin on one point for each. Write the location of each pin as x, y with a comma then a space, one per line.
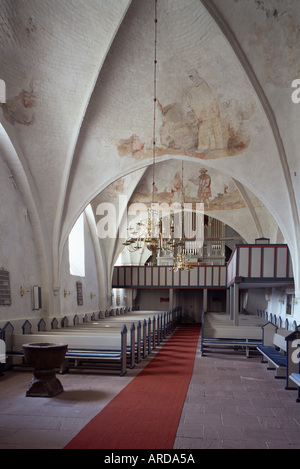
20, 109
197, 126
177, 181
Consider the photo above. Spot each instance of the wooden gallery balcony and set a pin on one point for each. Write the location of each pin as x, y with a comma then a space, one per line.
249, 265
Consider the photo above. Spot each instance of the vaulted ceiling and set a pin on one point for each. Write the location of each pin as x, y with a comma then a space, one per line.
77, 125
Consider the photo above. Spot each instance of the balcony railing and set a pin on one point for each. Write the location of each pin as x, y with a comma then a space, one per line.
248, 264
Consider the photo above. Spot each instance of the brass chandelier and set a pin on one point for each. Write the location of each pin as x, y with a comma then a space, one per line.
152, 232
180, 262
148, 232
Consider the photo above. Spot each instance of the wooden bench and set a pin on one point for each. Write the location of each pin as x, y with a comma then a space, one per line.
134, 338
89, 336
137, 339
228, 340
280, 347
295, 377
293, 363
132, 347
104, 352
168, 320
148, 335
3, 355
235, 344
273, 349
3, 358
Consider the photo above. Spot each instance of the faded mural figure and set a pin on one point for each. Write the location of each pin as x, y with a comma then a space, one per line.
204, 191
202, 101
19, 108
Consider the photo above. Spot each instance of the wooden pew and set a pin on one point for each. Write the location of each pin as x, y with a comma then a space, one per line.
167, 322
146, 339
274, 349
7, 333
109, 335
143, 345
106, 352
133, 338
295, 377
230, 337
280, 348
86, 329
292, 349
3, 355
149, 334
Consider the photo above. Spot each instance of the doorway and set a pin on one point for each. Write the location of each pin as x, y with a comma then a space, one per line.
192, 305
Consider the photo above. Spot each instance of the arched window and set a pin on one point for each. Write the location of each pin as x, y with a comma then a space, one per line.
77, 248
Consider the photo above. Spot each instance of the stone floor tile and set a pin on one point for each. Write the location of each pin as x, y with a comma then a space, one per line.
195, 443
241, 421
226, 432
224, 409
203, 419
230, 444
277, 422
255, 411
266, 434
190, 430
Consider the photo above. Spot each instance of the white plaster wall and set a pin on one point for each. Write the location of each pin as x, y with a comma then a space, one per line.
150, 299
274, 302
277, 305
256, 300
17, 251
122, 293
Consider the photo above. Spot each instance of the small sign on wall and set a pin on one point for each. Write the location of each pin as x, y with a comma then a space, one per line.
79, 293
37, 298
5, 297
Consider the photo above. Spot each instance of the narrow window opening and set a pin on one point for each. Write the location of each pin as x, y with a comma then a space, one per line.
77, 248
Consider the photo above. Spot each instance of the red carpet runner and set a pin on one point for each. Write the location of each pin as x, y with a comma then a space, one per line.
146, 413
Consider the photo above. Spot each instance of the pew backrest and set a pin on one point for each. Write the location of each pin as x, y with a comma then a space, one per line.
41, 325
64, 322
27, 328
293, 363
7, 335
279, 341
99, 342
54, 323
76, 320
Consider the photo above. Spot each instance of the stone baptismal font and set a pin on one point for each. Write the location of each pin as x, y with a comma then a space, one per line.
44, 358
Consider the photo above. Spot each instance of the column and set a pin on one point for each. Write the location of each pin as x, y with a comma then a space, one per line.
171, 299
228, 301
205, 299
236, 304
231, 302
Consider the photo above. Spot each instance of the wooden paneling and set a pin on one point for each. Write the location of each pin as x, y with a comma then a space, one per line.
255, 269
243, 259
268, 262
249, 262
281, 262
164, 276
